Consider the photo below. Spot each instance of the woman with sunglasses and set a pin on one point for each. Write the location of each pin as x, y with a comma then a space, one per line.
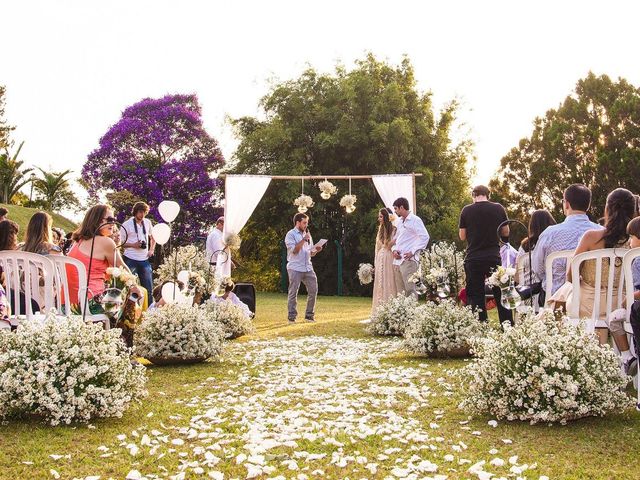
105, 251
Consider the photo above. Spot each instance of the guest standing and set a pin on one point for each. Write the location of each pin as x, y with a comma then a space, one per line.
479, 222
139, 245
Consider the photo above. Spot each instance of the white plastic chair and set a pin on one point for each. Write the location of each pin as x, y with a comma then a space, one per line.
627, 268
612, 303
523, 279
24, 272
61, 283
560, 255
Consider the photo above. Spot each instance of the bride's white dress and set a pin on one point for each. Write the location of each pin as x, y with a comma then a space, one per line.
384, 285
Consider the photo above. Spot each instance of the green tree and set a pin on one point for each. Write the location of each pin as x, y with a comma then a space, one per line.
369, 120
5, 129
54, 189
593, 137
12, 178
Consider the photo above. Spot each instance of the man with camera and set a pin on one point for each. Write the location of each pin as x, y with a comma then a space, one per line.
139, 245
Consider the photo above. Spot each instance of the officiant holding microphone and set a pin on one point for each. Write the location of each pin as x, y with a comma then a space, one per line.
300, 249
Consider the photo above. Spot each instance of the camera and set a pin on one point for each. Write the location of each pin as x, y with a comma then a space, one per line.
143, 244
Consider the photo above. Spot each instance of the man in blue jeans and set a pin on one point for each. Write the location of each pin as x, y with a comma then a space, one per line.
139, 245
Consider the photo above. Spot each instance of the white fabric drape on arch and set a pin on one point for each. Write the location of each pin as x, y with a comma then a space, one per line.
391, 187
242, 193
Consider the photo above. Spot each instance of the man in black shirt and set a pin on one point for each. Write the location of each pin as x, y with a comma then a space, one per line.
479, 223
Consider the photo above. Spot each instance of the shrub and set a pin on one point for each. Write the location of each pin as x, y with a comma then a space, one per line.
392, 316
231, 318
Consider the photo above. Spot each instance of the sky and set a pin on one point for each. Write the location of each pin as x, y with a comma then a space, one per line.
72, 67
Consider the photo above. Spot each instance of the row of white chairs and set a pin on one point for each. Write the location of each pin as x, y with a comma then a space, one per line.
44, 280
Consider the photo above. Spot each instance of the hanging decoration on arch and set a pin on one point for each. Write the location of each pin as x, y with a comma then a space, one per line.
327, 189
303, 202
349, 201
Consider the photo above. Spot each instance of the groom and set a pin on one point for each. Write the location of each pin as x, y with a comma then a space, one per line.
300, 249
411, 237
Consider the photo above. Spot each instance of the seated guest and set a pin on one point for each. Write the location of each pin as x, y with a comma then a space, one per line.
158, 301
39, 237
563, 236
5, 311
3, 214
527, 280
619, 210
229, 296
105, 253
9, 241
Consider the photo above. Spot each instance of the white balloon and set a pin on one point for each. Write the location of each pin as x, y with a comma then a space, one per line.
168, 293
161, 233
168, 210
183, 277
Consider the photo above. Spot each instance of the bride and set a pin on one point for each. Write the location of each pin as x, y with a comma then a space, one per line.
384, 285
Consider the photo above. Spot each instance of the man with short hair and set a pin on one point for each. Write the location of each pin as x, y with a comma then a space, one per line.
3, 213
215, 242
300, 249
563, 236
479, 223
411, 237
139, 245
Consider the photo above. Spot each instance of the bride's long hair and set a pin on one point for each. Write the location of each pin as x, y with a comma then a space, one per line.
385, 230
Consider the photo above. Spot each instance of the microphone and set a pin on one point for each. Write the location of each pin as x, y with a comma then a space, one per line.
306, 230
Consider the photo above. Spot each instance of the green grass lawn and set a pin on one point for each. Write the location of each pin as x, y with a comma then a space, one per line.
591, 448
22, 215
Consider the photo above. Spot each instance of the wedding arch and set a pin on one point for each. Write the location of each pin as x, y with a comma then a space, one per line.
242, 193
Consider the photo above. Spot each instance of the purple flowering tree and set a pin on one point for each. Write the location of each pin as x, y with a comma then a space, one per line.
158, 151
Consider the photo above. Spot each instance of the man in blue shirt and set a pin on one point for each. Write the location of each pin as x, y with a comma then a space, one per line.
563, 236
300, 249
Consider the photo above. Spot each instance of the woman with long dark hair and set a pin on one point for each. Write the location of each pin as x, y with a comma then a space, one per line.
528, 281
620, 209
384, 285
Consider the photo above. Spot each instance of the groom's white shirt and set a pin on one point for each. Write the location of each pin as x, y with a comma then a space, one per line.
411, 237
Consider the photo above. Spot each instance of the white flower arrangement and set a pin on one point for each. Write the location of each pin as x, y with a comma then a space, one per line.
233, 241
178, 332
122, 276
443, 328
327, 189
190, 259
443, 260
501, 277
365, 273
348, 202
231, 318
543, 370
66, 371
392, 316
304, 201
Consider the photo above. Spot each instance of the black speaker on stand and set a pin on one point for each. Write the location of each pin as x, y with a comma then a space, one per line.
246, 292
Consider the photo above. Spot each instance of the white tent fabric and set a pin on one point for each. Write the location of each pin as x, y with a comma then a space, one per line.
242, 193
391, 187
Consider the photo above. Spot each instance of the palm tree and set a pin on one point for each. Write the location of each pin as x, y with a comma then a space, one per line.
12, 179
55, 190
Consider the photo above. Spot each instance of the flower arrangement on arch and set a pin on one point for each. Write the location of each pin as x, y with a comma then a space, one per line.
233, 241
303, 202
543, 370
327, 189
349, 202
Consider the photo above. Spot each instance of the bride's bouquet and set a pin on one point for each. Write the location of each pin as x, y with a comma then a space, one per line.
365, 273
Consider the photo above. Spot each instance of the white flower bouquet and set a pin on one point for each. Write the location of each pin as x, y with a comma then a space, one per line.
191, 259
502, 277
65, 371
365, 273
178, 333
327, 189
443, 329
543, 370
231, 318
393, 316
303, 202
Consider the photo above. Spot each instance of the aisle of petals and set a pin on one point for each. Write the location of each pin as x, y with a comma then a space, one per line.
320, 407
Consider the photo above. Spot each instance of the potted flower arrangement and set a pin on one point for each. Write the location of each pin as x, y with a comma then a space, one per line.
440, 270
190, 259
327, 189
303, 202
349, 203
503, 278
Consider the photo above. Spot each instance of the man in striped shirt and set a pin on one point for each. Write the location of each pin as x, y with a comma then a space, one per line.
563, 236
